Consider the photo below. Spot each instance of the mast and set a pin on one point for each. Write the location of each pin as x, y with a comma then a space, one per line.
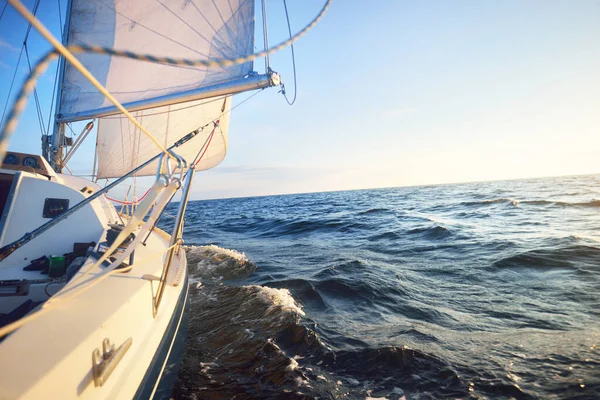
53, 145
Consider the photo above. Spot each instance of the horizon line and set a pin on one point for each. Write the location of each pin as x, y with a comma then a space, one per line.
395, 187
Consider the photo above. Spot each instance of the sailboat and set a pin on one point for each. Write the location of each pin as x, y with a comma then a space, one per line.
94, 300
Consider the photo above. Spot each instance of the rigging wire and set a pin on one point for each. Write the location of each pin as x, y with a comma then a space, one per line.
265, 34
3, 9
38, 108
26, 90
42, 65
211, 63
71, 129
35, 7
11, 85
61, 27
287, 17
56, 73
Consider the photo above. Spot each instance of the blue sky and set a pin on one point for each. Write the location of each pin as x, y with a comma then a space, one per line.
398, 93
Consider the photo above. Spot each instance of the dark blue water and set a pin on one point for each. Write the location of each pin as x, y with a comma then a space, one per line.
480, 290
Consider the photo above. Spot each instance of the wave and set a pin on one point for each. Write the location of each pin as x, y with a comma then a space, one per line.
230, 351
269, 228
591, 203
256, 342
209, 263
516, 203
433, 232
389, 235
580, 258
249, 342
304, 290
375, 211
487, 202
279, 300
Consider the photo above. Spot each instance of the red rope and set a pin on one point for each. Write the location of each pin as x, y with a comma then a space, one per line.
127, 203
208, 143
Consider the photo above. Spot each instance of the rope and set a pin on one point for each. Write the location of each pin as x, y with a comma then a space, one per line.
128, 203
219, 62
143, 57
11, 123
208, 140
94, 280
68, 54
134, 220
41, 67
287, 17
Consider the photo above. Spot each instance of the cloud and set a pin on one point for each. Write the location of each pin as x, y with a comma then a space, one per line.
399, 111
8, 46
4, 65
270, 171
260, 180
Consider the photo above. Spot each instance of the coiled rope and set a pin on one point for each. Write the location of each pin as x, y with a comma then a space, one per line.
42, 65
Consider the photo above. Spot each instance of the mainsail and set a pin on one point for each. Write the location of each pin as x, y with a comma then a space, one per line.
192, 29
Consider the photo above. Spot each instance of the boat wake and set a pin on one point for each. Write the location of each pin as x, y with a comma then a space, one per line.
256, 342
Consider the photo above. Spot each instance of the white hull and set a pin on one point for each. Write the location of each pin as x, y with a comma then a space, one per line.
51, 355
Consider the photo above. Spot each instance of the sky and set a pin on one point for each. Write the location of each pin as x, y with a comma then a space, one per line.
394, 93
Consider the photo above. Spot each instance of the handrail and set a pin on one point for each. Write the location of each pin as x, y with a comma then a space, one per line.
12, 247
175, 239
164, 192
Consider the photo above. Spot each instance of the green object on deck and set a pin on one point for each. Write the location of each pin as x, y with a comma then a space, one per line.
57, 267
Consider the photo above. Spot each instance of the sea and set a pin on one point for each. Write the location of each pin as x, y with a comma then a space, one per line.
487, 290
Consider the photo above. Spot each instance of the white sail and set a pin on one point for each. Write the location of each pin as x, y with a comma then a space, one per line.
121, 146
193, 29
